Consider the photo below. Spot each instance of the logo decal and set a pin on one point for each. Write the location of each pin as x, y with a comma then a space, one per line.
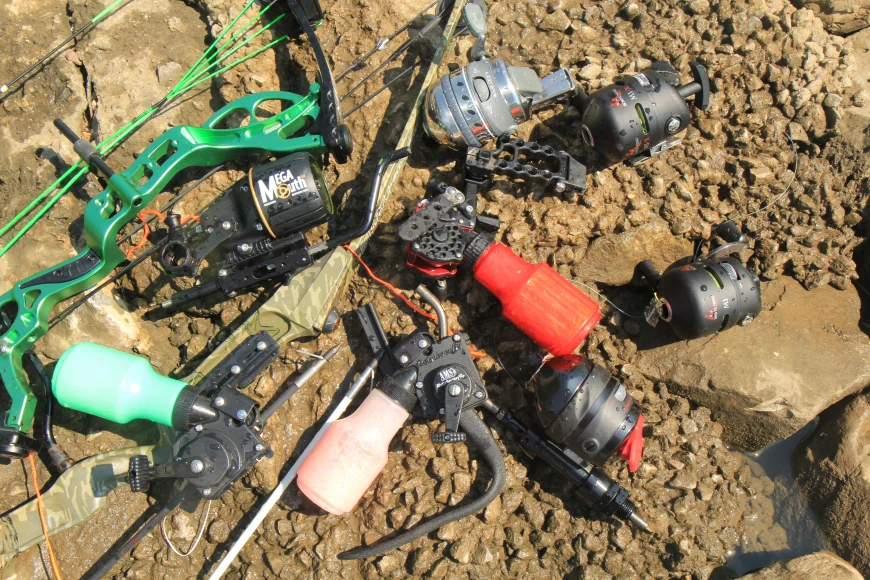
281, 184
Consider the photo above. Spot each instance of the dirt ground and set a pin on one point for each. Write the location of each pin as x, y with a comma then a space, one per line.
703, 502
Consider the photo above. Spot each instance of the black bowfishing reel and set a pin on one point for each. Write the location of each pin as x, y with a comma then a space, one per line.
640, 115
255, 230
485, 100
583, 408
706, 296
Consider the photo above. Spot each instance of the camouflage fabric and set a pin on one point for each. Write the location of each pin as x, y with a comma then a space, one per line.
78, 493
296, 310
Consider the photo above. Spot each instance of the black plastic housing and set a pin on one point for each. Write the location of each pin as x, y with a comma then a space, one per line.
582, 407
706, 297
635, 117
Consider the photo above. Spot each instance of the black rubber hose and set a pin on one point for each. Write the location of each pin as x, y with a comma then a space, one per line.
479, 433
369, 218
58, 456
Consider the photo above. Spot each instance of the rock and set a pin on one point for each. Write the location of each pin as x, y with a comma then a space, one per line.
168, 72
821, 564
840, 16
590, 72
612, 259
558, 21
757, 380
761, 175
833, 471
854, 125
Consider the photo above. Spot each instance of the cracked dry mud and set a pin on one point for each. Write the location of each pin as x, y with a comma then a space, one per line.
768, 63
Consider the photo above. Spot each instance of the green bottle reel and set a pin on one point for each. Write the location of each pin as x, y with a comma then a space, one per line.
114, 385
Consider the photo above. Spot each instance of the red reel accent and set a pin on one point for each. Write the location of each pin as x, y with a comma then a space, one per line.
431, 269
631, 448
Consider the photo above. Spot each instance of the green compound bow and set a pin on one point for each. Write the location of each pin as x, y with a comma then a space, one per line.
310, 123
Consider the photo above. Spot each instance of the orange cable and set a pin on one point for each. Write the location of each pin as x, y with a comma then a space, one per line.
146, 230
54, 567
474, 353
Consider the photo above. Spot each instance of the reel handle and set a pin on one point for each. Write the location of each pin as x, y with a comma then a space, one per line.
648, 272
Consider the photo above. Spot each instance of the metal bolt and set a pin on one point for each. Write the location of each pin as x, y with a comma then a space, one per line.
259, 447
227, 225
232, 294
245, 248
673, 125
198, 229
206, 492
418, 385
404, 359
441, 411
458, 255
456, 338
560, 186
422, 343
196, 466
219, 402
235, 369
222, 272
468, 208
198, 428
441, 283
258, 226
4, 348
416, 246
478, 395
454, 390
241, 414
261, 345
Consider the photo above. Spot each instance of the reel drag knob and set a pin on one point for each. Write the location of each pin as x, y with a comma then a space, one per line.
139, 474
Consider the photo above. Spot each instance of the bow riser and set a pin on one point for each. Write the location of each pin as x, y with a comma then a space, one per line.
129, 192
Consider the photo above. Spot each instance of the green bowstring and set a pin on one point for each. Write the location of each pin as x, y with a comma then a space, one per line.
201, 71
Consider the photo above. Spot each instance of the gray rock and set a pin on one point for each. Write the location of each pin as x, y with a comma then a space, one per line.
558, 21
840, 16
612, 259
821, 564
758, 380
169, 72
590, 72
833, 471
854, 126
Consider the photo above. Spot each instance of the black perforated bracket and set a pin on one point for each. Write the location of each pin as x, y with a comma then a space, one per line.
527, 160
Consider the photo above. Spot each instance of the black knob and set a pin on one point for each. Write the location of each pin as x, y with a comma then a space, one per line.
448, 437
139, 473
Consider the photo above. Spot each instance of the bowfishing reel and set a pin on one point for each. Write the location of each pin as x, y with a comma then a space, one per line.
485, 100
255, 230
584, 409
442, 225
436, 376
707, 296
219, 427
640, 115
274, 202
